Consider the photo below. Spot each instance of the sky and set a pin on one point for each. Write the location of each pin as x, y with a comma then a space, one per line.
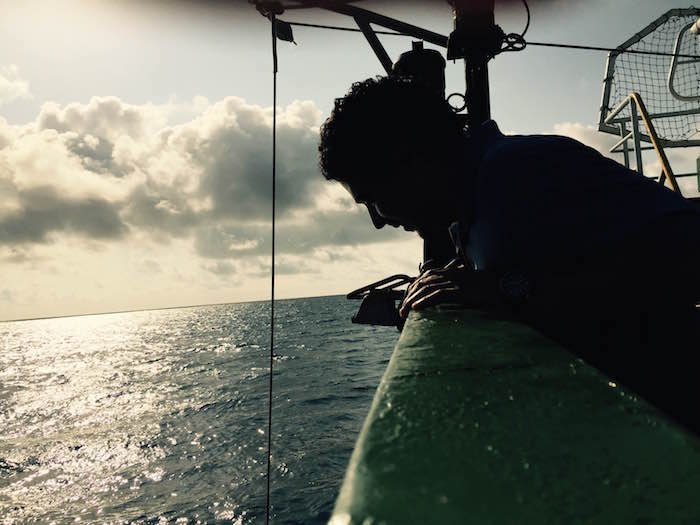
135, 153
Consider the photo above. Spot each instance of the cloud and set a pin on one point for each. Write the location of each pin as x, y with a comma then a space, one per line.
150, 266
95, 154
12, 86
6, 133
160, 211
13, 255
106, 169
221, 268
292, 267
105, 117
286, 265
319, 229
42, 211
231, 146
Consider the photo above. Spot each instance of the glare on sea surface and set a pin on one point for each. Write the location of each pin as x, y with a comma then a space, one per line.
154, 417
84, 427
77, 421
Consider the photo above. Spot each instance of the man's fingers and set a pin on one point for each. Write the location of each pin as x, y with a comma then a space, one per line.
441, 295
424, 292
423, 281
432, 286
429, 279
435, 273
425, 289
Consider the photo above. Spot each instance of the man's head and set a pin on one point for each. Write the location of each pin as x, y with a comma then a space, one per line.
393, 143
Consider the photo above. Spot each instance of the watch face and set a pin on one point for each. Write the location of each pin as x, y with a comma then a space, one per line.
516, 287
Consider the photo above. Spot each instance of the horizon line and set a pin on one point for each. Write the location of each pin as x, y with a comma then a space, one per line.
160, 308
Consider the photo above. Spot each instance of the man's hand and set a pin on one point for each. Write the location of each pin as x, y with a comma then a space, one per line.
451, 285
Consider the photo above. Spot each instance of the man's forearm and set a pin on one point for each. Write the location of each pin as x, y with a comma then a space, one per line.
650, 273
608, 292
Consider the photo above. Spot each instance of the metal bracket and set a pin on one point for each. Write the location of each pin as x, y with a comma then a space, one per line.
389, 23
379, 299
638, 109
374, 43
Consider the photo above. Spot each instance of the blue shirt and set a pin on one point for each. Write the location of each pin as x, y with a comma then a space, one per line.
546, 199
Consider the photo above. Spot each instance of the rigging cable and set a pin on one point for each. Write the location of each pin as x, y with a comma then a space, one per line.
527, 24
272, 262
541, 44
516, 41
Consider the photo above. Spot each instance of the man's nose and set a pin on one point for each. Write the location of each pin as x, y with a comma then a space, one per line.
377, 219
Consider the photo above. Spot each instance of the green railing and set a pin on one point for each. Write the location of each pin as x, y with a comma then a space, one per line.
485, 421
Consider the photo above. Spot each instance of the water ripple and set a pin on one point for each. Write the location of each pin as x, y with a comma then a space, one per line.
153, 417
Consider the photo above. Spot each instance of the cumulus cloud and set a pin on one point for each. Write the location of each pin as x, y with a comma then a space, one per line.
12, 86
106, 169
231, 145
105, 117
221, 268
6, 132
43, 211
320, 228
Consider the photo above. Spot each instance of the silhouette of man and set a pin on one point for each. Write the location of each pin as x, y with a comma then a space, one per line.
546, 228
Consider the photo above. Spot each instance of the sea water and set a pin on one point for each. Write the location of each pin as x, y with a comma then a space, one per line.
161, 416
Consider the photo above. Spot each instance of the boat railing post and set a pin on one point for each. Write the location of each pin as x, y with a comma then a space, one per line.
635, 136
625, 146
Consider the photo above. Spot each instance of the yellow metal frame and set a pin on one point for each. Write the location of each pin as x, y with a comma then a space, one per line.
638, 110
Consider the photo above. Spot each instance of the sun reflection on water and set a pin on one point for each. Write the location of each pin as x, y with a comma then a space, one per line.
87, 424
159, 417
82, 418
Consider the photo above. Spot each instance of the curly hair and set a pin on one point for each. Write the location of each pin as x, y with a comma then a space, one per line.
380, 121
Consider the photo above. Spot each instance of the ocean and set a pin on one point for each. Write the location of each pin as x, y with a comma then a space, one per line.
161, 416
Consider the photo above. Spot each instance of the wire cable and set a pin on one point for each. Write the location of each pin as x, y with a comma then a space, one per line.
541, 44
611, 50
527, 24
272, 269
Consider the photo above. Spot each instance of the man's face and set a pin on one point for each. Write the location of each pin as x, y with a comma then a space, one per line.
386, 205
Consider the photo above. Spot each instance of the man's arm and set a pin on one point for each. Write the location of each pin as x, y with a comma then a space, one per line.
629, 312
656, 270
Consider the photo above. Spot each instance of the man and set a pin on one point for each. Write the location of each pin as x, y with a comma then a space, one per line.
604, 260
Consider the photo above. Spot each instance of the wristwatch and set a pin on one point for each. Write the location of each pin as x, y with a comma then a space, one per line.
515, 287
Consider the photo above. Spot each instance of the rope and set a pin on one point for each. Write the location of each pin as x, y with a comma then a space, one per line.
272, 271
541, 44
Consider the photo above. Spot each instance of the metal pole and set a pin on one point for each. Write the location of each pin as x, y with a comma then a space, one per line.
476, 39
473, 39
375, 44
635, 134
625, 146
